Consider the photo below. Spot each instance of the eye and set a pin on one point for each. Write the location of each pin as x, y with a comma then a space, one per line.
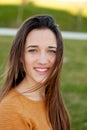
32, 50
52, 51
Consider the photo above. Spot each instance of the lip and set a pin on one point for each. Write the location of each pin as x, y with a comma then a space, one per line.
41, 70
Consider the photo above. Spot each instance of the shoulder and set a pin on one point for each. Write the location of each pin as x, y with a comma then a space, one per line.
10, 104
11, 113
10, 99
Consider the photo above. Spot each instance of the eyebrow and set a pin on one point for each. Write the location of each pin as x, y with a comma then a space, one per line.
31, 46
35, 46
52, 47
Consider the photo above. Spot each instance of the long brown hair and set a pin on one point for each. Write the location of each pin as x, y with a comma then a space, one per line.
57, 113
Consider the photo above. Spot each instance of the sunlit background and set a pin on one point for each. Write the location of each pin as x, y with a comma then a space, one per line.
71, 16
73, 6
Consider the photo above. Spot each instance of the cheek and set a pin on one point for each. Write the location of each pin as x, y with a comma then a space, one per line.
52, 60
29, 61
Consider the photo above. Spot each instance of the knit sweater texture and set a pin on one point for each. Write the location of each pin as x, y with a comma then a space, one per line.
18, 112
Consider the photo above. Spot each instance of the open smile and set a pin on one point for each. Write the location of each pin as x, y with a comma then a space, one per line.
41, 71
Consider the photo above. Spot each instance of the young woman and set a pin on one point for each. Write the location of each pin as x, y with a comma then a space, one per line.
31, 98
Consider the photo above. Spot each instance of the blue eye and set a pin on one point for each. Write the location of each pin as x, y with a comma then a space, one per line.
32, 50
52, 51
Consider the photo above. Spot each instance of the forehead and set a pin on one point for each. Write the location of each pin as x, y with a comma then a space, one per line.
41, 37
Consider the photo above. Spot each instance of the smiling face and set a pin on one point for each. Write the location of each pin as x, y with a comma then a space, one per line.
39, 55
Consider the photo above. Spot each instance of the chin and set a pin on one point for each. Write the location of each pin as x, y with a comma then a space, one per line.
40, 80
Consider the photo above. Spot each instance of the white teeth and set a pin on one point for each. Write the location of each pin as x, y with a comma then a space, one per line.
41, 70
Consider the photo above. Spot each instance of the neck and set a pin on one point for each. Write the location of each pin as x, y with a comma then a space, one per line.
37, 95
35, 92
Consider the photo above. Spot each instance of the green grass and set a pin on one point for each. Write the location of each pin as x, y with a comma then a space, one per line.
74, 82
10, 16
75, 67
73, 78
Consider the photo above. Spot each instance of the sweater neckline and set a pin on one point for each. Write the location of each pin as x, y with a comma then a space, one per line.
28, 99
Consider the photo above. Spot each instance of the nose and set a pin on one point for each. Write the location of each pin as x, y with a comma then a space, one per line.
43, 59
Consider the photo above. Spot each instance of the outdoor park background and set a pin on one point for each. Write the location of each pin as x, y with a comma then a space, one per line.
71, 16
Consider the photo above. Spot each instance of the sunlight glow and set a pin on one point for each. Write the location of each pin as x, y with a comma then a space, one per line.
72, 0
72, 6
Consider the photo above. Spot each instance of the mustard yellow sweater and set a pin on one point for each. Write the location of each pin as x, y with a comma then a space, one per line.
17, 112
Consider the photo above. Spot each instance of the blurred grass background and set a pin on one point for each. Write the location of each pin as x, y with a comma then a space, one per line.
74, 72
14, 15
